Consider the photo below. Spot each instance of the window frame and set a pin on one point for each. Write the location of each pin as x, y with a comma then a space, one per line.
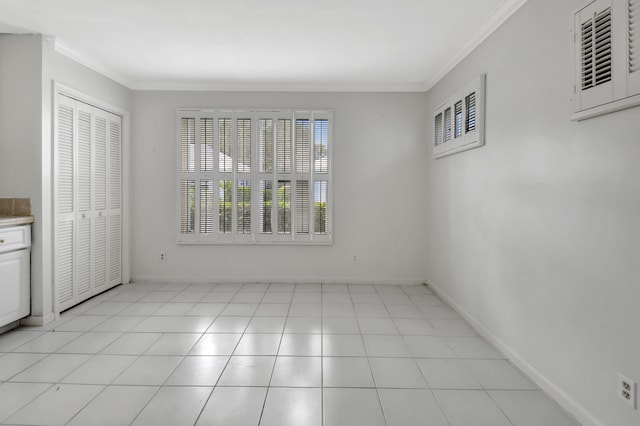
253, 174
623, 90
449, 141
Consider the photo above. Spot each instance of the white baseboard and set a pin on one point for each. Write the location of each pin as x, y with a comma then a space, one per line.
8, 327
574, 409
287, 280
37, 320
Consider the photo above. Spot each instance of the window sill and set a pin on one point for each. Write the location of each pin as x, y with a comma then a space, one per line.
607, 108
323, 242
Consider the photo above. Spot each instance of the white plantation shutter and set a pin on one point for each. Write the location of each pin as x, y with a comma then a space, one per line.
265, 215
321, 192
243, 205
283, 148
470, 116
596, 49
284, 207
244, 145
226, 145
633, 32
303, 146
594, 55
457, 112
187, 203
206, 206
438, 132
458, 122
321, 145
447, 124
206, 144
634, 35
265, 143
225, 189
187, 183
188, 143
302, 207
261, 188
606, 39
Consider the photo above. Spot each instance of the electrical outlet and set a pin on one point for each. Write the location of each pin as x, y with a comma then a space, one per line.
355, 259
163, 256
627, 390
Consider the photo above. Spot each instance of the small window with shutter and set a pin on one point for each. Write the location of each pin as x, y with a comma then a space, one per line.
254, 176
633, 34
607, 69
458, 122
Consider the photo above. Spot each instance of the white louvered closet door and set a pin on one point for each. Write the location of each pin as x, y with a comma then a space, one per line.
115, 201
87, 203
82, 285
100, 191
64, 203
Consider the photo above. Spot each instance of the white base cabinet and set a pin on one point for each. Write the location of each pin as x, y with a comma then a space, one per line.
15, 274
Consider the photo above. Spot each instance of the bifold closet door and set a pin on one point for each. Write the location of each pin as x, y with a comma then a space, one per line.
115, 201
100, 191
64, 202
84, 141
87, 203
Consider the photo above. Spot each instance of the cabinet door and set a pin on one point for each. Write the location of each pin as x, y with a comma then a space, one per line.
14, 286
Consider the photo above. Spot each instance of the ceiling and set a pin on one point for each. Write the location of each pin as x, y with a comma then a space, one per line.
351, 45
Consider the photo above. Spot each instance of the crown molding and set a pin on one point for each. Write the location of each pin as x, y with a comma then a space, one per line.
64, 49
272, 87
498, 17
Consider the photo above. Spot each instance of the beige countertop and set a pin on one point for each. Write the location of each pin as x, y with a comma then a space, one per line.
15, 220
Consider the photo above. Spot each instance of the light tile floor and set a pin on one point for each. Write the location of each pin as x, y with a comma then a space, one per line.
263, 354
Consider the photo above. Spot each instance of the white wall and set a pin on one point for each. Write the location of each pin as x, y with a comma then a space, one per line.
21, 168
379, 151
28, 67
536, 236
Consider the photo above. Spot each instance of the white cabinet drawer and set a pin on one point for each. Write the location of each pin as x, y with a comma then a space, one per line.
15, 238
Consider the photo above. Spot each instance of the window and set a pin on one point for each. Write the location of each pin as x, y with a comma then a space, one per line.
254, 176
607, 49
458, 122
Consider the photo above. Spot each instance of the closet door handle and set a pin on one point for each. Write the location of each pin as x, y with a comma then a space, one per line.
1, 241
